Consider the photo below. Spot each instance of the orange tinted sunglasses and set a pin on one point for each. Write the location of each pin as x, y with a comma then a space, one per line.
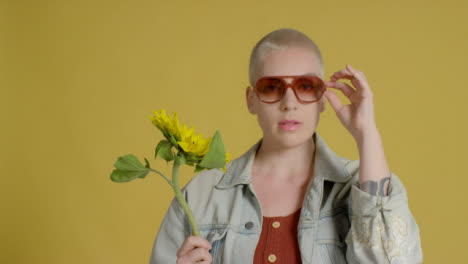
307, 88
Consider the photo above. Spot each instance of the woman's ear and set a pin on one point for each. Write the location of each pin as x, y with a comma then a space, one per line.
249, 94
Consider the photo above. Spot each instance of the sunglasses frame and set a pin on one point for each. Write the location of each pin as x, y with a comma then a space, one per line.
290, 85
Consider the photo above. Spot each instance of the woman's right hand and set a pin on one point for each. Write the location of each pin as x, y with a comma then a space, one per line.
194, 250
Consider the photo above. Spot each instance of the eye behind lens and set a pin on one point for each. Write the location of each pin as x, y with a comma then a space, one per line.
309, 88
270, 89
308, 84
269, 85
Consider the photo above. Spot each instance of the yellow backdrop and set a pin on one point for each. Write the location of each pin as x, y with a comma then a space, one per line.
79, 79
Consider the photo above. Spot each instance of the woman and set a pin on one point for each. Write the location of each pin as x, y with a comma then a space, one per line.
290, 198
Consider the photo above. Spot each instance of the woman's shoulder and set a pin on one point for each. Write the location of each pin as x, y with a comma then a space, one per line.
204, 198
206, 179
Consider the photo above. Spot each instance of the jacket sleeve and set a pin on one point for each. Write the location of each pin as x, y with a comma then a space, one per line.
383, 230
173, 231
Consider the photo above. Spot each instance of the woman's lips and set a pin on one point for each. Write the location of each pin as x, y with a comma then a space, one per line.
289, 127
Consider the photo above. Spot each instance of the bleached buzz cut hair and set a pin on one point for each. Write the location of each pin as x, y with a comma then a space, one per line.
281, 39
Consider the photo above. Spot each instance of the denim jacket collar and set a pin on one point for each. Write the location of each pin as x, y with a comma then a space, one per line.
327, 166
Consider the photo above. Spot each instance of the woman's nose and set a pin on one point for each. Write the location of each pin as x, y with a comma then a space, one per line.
289, 99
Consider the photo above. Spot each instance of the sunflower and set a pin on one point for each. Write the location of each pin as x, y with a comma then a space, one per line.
186, 139
193, 144
168, 126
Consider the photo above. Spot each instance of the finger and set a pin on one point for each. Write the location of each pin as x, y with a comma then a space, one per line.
334, 100
355, 71
193, 242
199, 254
360, 77
357, 78
343, 87
343, 74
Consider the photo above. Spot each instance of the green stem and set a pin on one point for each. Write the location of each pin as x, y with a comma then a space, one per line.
178, 194
164, 176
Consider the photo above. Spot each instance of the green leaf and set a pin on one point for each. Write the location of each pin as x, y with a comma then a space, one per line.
198, 168
164, 150
128, 167
126, 176
173, 141
191, 159
147, 164
216, 155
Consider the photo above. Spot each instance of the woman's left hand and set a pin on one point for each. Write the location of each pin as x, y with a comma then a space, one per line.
357, 117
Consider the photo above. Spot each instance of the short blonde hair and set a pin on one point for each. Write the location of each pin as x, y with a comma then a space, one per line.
281, 39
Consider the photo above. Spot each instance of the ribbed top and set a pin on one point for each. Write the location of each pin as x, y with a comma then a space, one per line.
278, 240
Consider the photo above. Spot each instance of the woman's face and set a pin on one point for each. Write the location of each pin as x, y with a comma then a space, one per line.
292, 61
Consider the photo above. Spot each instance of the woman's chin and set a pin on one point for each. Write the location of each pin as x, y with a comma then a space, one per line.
289, 140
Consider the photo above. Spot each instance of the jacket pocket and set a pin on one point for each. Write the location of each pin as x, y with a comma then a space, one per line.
217, 238
333, 227
329, 253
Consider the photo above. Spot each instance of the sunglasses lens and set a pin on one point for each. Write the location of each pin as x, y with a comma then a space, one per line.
270, 89
309, 89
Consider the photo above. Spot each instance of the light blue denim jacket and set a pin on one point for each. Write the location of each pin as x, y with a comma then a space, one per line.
339, 223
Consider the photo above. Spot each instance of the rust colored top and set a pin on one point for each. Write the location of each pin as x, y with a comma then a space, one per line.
278, 240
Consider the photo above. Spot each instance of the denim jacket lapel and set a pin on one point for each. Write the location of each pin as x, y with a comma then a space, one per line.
327, 166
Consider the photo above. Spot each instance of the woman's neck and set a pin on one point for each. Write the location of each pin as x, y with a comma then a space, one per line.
285, 163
